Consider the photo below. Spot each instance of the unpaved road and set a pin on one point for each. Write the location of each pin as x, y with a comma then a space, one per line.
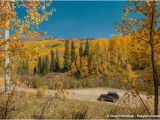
91, 94
88, 94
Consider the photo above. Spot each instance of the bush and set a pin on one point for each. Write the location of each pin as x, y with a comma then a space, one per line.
80, 114
37, 82
8, 104
41, 91
76, 111
66, 84
51, 85
79, 84
60, 93
32, 81
27, 94
89, 83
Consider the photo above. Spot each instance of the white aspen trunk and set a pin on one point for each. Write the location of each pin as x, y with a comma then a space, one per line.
7, 60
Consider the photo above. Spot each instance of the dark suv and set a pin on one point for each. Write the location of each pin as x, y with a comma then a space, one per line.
111, 96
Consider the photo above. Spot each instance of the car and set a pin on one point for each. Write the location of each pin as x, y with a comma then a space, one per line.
110, 96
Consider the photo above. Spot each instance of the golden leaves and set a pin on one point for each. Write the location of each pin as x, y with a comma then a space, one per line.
152, 3
21, 26
6, 26
34, 16
15, 46
148, 4
131, 74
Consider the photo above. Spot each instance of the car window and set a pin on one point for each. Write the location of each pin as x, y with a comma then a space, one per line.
103, 95
111, 94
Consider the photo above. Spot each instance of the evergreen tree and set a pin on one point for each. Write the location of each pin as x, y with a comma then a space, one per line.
81, 53
39, 66
23, 67
66, 56
35, 71
73, 54
57, 64
76, 60
52, 61
90, 63
86, 51
43, 66
87, 54
27, 67
46, 65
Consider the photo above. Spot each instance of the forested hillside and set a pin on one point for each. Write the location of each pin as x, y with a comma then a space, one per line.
115, 62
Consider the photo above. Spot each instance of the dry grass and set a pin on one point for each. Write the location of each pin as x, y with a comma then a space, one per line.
1, 82
25, 106
49, 107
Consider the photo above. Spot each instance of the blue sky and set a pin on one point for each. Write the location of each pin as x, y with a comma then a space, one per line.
79, 19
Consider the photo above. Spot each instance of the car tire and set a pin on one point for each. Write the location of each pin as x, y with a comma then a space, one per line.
114, 100
102, 99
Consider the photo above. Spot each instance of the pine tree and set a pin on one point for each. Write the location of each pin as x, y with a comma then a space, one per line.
52, 65
57, 64
39, 66
73, 54
35, 71
23, 67
66, 56
86, 51
27, 67
46, 65
81, 53
87, 54
43, 66
90, 63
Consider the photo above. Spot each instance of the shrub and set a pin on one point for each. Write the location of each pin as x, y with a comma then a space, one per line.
41, 91
8, 104
60, 93
75, 111
32, 81
79, 84
89, 83
80, 113
66, 84
26, 94
37, 82
51, 85
73, 84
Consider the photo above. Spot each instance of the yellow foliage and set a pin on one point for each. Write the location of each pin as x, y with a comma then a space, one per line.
41, 91
60, 93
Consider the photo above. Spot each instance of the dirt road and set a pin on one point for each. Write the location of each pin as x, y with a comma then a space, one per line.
88, 94
91, 94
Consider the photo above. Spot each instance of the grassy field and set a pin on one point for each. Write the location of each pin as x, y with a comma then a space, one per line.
25, 106
56, 109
